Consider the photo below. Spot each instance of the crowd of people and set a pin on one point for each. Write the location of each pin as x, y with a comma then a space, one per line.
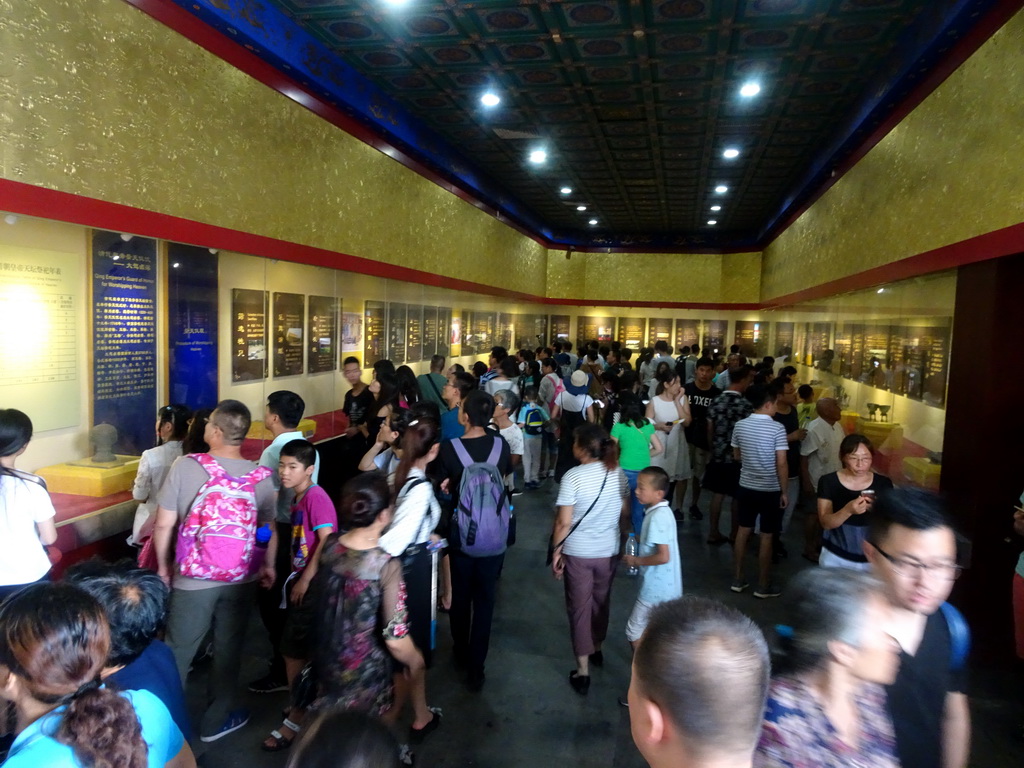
870, 669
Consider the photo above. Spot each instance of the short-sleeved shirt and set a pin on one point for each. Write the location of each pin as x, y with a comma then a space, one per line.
479, 449
821, 447
700, 400
724, 412
917, 699
431, 386
797, 734
450, 426
598, 534
271, 458
659, 583
847, 541
791, 423
514, 437
634, 445
156, 671
312, 513
577, 403
37, 746
153, 468
182, 485
23, 503
759, 438
357, 407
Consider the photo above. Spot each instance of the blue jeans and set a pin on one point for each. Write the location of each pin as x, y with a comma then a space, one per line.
636, 514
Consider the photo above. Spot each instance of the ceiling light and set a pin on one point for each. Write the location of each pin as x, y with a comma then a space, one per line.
730, 153
396, 2
593, 222
750, 89
581, 207
538, 156
175, 265
490, 99
712, 222
721, 189
566, 190
716, 207
881, 290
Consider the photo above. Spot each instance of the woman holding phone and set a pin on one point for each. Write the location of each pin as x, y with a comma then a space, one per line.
844, 505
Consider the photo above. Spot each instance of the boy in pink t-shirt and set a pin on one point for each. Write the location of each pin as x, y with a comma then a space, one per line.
313, 520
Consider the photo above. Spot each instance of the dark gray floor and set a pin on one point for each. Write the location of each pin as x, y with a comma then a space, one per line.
527, 715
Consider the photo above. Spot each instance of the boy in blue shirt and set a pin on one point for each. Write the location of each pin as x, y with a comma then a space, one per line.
532, 418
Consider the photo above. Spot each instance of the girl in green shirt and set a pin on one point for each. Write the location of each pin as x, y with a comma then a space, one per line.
638, 441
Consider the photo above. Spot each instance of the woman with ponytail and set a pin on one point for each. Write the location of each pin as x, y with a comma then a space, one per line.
593, 514
54, 641
26, 512
172, 423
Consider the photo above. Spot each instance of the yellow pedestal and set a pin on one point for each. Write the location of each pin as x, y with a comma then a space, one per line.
922, 472
91, 481
257, 431
848, 420
881, 434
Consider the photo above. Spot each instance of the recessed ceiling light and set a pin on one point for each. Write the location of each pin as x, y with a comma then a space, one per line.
716, 207
581, 207
721, 189
566, 190
750, 89
712, 222
490, 99
730, 153
538, 156
396, 2
593, 222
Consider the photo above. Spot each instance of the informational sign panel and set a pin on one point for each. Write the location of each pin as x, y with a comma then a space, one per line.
687, 333
750, 335
631, 332
531, 331
714, 335
192, 325
40, 308
596, 329
249, 334
351, 333
414, 334
374, 330
289, 331
659, 329
124, 338
322, 346
429, 332
784, 338
560, 327
445, 333
396, 332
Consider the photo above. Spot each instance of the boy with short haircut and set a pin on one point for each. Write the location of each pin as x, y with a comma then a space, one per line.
532, 418
661, 576
805, 408
313, 519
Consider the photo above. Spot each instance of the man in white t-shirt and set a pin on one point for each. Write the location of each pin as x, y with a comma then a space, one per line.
819, 456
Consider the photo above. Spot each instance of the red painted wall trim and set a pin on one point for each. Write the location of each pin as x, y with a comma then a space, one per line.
28, 200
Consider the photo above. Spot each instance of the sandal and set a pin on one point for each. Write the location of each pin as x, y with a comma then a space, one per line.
277, 741
417, 735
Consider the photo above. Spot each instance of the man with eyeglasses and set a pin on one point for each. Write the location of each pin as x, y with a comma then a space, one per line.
912, 547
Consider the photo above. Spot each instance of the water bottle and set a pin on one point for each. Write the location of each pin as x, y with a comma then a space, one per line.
632, 549
259, 552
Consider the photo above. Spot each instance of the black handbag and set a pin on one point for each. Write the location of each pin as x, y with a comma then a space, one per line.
551, 539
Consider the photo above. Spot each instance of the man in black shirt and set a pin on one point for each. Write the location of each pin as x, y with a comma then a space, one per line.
701, 392
912, 549
474, 579
786, 414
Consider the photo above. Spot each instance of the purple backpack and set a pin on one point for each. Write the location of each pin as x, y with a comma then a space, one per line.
216, 538
482, 514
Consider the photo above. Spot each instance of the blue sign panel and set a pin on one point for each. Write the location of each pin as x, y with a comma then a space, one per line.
124, 338
192, 325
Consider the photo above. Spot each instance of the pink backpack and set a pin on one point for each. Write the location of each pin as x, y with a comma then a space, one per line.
559, 389
215, 541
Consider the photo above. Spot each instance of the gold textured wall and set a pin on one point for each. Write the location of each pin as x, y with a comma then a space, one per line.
949, 171
671, 277
98, 99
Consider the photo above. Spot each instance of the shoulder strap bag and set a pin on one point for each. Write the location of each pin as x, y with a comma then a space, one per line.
551, 539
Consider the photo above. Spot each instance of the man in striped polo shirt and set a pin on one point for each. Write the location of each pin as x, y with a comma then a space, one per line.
759, 444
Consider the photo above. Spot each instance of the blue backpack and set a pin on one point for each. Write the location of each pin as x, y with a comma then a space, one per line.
534, 422
482, 513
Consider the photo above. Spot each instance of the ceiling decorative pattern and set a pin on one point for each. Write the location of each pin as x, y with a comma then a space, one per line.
634, 101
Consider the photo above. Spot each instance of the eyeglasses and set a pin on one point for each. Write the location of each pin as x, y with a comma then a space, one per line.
915, 569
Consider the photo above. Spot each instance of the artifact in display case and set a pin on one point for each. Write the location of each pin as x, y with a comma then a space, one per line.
714, 335
785, 339
875, 370
323, 334
103, 474
429, 332
843, 350
560, 327
374, 330
631, 332
446, 334
750, 337
414, 334
687, 333
659, 329
289, 311
124, 337
396, 332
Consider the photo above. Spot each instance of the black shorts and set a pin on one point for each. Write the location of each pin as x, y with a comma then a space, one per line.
723, 478
760, 504
298, 624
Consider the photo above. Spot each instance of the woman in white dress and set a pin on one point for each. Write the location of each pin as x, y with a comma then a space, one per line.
171, 428
669, 410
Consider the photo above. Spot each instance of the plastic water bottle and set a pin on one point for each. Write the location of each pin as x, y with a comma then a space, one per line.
633, 549
259, 552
